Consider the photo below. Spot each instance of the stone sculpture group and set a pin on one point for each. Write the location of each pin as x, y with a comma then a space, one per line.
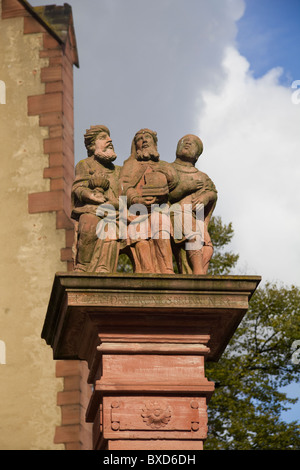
149, 209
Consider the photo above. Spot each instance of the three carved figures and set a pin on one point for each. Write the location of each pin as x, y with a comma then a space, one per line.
151, 210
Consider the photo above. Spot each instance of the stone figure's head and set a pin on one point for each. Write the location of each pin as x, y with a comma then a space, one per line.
98, 142
144, 145
189, 148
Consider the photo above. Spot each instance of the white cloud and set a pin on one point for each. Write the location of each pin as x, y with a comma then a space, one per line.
142, 63
250, 130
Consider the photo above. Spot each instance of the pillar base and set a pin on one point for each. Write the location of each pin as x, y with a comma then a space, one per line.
146, 339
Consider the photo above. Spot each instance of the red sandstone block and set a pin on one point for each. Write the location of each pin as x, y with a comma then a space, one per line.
63, 220
68, 398
69, 129
70, 414
69, 234
31, 25
55, 131
67, 202
68, 145
57, 184
68, 93
68, 175
68, 90
67, 368
56, 159
50, 42
73, 446
69, 170
13, 8
68, 62
68, 126
67, 434
66, 254
86, 393
41, 104
50, 53
68, 111
56, 60
84, 371
153, 444
53, 145
45, 202
86, 436
51, 74
68, 75
54, 87
72, 382
69, 148
54, 172
70, 266
51, 119
69, 52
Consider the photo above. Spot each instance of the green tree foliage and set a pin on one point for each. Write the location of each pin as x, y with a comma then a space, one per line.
245, 410
221, 235
124, 264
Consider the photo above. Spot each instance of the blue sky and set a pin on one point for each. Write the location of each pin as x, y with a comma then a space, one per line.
269, 36
221, 69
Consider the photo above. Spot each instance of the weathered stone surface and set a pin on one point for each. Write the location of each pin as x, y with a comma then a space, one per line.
96, 182
196, 191
195, 305
155, 417
149, 209
146, 180
146, 339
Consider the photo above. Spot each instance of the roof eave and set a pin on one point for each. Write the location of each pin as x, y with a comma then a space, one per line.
51, 30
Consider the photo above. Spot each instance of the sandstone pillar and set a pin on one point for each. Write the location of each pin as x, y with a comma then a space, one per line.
146, 339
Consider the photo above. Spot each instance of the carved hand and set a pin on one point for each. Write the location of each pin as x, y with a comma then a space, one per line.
146, 200
196, 184
99, 182
96, 197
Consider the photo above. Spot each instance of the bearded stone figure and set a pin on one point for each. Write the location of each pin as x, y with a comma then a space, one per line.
146, 181
152, 192
195, 190
96, 186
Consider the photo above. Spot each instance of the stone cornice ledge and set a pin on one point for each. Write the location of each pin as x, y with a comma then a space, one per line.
82, 306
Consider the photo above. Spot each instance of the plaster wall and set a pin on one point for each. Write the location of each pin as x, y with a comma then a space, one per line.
30, 252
